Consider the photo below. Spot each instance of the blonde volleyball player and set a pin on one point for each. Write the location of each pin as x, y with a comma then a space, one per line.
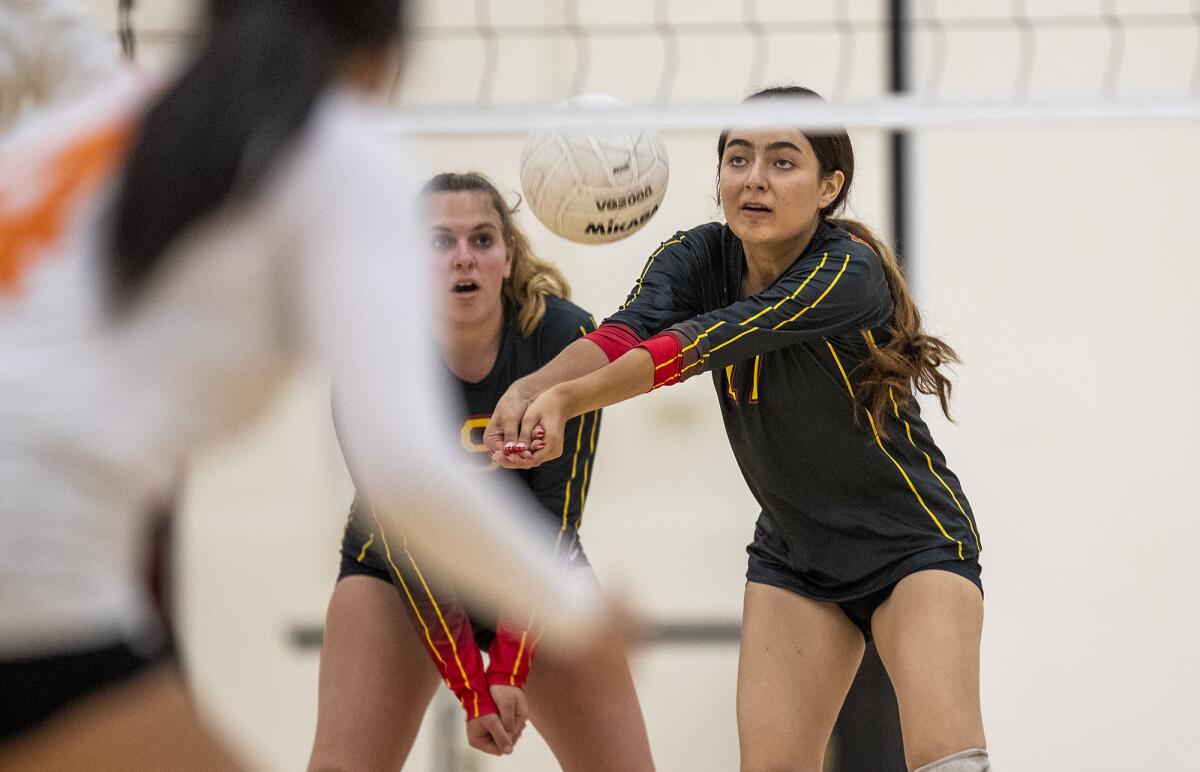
816, 349
164, 263
503, 315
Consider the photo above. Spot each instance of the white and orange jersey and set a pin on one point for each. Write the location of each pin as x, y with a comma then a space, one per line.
98, 411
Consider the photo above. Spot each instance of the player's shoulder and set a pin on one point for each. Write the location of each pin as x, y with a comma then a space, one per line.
693, 247
564, 319
838, 240
704, 237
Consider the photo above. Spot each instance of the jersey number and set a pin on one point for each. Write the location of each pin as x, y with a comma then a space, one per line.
733, 393
470, 436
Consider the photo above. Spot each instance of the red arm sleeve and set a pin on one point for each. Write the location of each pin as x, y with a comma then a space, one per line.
665, 350
512, 653
450, 643
614, 339
444, 629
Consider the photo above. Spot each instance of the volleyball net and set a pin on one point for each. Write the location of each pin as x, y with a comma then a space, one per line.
486, 66
1036, 162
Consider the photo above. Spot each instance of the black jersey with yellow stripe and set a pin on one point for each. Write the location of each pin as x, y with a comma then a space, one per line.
850, 506
560, 485
453, 637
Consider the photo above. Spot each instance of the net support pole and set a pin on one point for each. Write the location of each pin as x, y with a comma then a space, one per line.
900, 140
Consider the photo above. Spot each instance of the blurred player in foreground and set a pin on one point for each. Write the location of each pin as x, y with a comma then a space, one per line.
50, 50
165, 261
504, 313
816, 350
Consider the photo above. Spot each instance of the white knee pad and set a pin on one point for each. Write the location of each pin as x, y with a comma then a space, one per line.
971, 760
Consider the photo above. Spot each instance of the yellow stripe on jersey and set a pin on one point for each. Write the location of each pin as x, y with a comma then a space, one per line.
841, 369
754, 383
512, 677
583, 492
929, 461
404, 585
641, 279
363, 552
688, 347
587, 463
717, 348
816, 302
800, 313
879, 442
445, 628
792, 296
567, 497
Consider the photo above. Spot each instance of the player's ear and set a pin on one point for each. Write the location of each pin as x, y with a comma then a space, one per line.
831, 187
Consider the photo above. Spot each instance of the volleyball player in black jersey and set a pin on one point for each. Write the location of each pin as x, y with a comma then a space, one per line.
816, 349
505, 314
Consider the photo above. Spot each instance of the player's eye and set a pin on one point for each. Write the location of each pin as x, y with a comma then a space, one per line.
442, 242
483, 241
736, 160
784, 163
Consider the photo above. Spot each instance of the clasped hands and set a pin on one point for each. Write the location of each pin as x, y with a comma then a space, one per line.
525, 431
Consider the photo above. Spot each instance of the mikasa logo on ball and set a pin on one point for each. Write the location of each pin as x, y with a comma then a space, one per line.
622, 228
596, 185
605, 204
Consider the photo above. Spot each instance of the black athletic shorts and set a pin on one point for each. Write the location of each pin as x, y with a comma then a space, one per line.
765, 569
35, 689
363, 554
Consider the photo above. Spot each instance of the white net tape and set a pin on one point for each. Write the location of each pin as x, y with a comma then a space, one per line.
884, 113
491, 66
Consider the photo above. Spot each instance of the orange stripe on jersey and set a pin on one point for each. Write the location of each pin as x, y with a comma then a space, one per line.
25, 233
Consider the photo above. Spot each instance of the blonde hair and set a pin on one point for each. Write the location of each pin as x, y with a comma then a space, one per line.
532, 278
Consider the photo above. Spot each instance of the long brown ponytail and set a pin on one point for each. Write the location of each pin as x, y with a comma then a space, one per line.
910, 358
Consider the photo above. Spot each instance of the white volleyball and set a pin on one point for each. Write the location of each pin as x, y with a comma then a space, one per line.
595, 186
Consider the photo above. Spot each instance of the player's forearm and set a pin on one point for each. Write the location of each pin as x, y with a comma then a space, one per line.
623, 379
575, 361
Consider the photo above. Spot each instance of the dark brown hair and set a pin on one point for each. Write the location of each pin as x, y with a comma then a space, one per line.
532, 278
910, 358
